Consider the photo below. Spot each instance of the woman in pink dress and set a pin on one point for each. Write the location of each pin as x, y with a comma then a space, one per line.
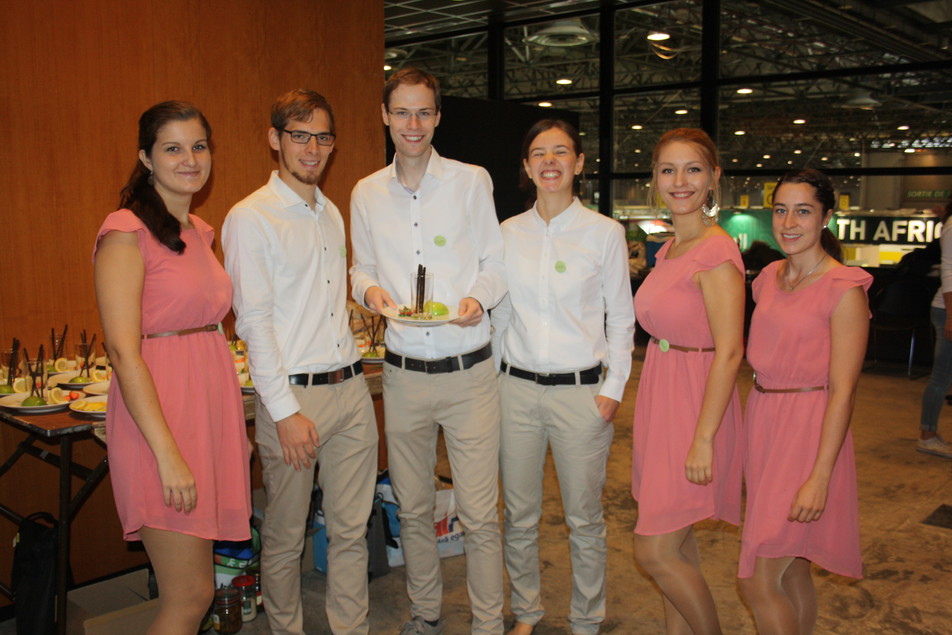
178, 451
807, 343
686, 464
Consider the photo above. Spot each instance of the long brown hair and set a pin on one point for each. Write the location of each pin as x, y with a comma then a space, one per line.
137, 194
701, 141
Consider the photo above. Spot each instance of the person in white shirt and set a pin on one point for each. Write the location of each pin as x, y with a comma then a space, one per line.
567, 315
286, 253
426, 210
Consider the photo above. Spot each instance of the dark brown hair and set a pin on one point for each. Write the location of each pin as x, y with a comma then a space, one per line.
538, 128
137, 194
411, 77
825, 196
299, 104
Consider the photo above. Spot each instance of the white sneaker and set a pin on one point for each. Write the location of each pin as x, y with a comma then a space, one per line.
936, 445
417, 626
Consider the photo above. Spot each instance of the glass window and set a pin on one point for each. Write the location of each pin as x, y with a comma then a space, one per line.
641, 119
658, 44
550, 59
460, 63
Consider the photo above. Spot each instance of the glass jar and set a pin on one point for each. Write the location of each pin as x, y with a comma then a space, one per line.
249, 602
227, 615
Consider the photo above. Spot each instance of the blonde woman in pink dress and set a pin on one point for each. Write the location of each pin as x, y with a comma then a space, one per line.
807, 343
686, 461
178, 450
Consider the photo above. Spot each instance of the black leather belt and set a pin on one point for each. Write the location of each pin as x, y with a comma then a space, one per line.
585, 377
445, 365
324, 379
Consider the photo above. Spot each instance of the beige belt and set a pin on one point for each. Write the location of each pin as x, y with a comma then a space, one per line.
665, 346
760, 388
197, 329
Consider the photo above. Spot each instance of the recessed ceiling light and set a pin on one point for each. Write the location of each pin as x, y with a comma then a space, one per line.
824, 158
387, 67
637, 150
637, 126
760, 165
745, 91
766, 156
658, 36
909, 150
681, 111
903, 127
789, 162
734, 160
799, 121
857, 154
545, 104
798, 151
563, 81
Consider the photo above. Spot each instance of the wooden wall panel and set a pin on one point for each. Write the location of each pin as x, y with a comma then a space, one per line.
74, 78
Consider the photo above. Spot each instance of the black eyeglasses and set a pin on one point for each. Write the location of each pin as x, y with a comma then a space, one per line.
299, 136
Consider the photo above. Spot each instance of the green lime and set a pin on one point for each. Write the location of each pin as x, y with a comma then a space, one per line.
6, 389
435, 308
80, 379
33, 401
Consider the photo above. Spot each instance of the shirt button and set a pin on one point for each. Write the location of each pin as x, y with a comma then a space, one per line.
416, 224
418, 252
414, 197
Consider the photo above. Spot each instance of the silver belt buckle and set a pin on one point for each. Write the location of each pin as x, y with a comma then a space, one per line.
335, 376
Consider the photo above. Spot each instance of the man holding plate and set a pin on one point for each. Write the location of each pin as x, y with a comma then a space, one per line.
425, 215
286, 253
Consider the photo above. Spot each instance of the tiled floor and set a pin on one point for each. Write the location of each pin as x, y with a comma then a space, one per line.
908, 563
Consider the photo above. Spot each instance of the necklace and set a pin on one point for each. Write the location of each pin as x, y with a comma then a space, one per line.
791, 287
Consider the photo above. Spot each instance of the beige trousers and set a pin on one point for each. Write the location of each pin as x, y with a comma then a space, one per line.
466, 404
566, 418
343, 415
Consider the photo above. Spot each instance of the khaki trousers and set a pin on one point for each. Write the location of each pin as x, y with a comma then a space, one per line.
567, 419
343, 415
466, 404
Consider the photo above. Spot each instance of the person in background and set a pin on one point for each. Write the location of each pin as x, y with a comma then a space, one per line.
426, 210
178, 451
686, 462
286, 252
930, 441
807, 344
568, 313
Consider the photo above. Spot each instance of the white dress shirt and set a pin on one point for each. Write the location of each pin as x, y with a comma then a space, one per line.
288, 265
449, 226
569, 305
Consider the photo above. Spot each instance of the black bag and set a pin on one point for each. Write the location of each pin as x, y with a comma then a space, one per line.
34, 574
378, 536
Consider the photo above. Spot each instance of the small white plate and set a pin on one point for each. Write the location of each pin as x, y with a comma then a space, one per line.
393, 314
61, 380
99, 388
12, 403
100, 414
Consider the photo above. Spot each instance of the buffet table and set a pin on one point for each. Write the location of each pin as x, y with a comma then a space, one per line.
62, 429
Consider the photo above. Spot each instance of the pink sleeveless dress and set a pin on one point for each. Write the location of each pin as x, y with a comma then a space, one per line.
198, 391
789, 347
669, 305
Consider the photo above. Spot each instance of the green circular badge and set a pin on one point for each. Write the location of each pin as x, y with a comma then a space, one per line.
664, 345
439, 241
343, 251
560, 266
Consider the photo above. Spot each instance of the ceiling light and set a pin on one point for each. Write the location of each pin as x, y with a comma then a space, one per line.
545, 104
824, 158
909, 150
393, 53
637, 126
637, 150
744, 91
798, 151
902, 127
734, 160
563, 81
799, 121
861, 99
740, 132
681, 111
857, 154
562, 33
387, 67
789, 162
760, 165
658, 36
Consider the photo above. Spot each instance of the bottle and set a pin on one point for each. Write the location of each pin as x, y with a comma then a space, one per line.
227, 616
249, 602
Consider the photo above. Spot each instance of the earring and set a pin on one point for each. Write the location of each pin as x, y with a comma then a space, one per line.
710, 212
151, 178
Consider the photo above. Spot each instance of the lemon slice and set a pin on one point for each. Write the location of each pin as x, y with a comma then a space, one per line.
98, 374
20, 384
56, 396
61, 364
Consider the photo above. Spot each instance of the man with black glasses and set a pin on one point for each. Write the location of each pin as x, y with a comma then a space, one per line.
425, 211
286, 253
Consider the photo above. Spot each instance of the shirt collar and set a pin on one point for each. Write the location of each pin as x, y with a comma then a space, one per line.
289, 197
434, 167
563, 220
